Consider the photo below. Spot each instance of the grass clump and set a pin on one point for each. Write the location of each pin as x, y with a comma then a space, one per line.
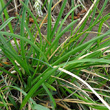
42, 71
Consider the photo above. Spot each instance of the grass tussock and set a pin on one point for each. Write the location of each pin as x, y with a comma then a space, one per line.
55, 59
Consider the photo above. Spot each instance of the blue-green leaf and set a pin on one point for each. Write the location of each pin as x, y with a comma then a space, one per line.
6, 23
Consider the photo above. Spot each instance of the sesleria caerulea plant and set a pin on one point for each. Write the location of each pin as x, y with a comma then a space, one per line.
42, 73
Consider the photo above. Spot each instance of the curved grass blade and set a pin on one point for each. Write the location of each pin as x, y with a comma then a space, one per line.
36, 86
58, 18
77, 77
50, 95
28, 41
6, 23
6, 14
81, 47
34, 106
57, 37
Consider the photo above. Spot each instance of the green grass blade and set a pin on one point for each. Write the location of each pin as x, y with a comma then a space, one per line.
6, 23
34, 106
57, 37
6, 15
49, 21
50, 95
79, 48
58, 18
28, 41
36, 86
22, 34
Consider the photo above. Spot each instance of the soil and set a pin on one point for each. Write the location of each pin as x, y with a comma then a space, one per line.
44, 30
